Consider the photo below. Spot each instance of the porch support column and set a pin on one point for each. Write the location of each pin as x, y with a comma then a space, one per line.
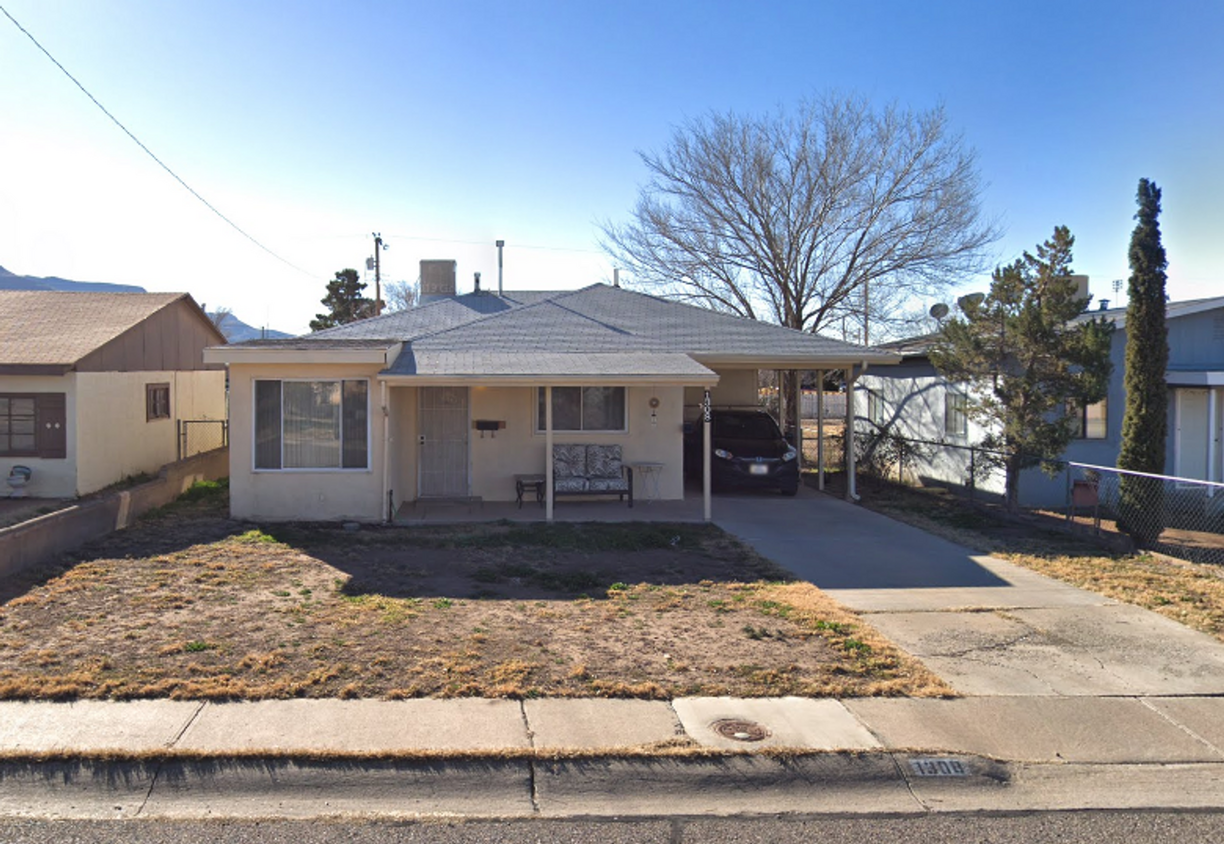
387, 507
548, 455
820, 456
797, 378
1213, 421
705, 452
851, 491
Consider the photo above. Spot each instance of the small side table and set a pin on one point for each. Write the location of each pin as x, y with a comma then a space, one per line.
650, 474
521, 482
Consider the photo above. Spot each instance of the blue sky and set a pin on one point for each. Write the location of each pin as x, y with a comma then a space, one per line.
448, 125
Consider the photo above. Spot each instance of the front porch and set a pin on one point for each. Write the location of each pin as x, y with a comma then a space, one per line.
431, 511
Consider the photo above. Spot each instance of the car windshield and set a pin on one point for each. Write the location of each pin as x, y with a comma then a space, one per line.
746, 426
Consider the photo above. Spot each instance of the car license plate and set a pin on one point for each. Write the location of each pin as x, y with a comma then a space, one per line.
758, 468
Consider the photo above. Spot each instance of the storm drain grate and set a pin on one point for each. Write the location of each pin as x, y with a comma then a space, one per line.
739, 729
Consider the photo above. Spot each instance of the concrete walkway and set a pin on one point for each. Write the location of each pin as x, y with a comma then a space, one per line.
1070, 700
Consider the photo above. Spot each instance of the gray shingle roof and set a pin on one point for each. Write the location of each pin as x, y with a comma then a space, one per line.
432, 317
600, 318
477, 362
39, 327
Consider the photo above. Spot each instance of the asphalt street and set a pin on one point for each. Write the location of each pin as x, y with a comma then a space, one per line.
1027, 828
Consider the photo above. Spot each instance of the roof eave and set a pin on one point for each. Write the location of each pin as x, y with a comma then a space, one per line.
805, 362
231, 355
558, 380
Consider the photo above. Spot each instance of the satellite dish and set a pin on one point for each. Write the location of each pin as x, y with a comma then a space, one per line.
970, 300
938, 311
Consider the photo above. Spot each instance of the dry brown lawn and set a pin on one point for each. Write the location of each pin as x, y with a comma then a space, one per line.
191, 605
1191, 593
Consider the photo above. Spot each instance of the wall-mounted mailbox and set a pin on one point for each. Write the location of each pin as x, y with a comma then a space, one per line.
490, 425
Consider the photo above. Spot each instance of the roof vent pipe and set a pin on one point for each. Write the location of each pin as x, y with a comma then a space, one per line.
499, 245
616, 276
476, 286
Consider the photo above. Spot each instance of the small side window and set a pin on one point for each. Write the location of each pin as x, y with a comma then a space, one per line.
956, 414
157, 401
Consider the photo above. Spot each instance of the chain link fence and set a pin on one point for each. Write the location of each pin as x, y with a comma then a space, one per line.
1181, 517
196, 436
969, 470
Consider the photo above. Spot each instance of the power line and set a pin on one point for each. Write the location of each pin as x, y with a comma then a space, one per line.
138, 143
487, 243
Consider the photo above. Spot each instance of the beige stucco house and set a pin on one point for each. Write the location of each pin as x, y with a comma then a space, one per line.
451, 399
92, 384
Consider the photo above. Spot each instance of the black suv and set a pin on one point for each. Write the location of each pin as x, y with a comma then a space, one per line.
748, 450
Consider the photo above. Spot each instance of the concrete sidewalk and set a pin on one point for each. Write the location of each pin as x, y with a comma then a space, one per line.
1091, 730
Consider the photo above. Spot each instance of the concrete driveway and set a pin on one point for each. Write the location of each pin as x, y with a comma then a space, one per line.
986, 626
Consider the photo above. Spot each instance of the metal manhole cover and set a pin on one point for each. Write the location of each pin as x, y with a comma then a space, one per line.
739, 729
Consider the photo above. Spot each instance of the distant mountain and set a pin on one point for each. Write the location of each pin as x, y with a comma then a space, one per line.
12, 281
237, 331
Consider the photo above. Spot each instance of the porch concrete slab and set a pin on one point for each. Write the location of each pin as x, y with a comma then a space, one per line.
1089, 650
600, 724
358, 726
792, 722
1202, 716
424, 512
1033, 729
92, 726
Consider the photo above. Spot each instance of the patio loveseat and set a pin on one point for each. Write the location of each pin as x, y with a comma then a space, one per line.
580, 469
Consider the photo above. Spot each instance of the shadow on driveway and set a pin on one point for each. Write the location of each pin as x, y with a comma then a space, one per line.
837, 545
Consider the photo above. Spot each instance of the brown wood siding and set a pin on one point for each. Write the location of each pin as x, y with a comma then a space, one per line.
174, 338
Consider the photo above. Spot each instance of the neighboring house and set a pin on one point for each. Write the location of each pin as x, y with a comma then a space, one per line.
913, 400
91, 384
448, 399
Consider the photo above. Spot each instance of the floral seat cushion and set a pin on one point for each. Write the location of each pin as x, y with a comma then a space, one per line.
603, 461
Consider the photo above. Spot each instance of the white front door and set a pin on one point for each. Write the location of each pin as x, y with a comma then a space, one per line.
1190, 445
444, 442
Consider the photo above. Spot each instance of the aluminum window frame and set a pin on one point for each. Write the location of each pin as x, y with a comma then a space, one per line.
369, 450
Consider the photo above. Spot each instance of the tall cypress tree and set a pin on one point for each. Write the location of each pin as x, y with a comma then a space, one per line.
1145, 423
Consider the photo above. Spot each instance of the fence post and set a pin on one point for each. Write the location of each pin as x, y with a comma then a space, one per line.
178, 439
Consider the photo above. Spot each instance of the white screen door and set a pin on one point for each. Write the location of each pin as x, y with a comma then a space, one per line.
444, 442
1191, 442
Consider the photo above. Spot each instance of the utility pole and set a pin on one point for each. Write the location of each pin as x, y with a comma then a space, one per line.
379, 246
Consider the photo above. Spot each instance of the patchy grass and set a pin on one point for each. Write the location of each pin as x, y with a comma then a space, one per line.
190, 605
1191, 593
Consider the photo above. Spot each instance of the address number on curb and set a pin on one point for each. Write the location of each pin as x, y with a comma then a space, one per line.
939, 768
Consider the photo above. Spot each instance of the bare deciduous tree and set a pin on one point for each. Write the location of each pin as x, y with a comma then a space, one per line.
837, 210
401, 295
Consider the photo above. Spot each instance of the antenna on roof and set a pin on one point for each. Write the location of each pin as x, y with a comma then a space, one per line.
938, 311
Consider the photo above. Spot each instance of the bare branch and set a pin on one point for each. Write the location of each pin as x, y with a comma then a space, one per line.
787, 217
